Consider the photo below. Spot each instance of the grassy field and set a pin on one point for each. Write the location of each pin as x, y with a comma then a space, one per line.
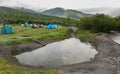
32, 72
6, 68
25, 35
86, 36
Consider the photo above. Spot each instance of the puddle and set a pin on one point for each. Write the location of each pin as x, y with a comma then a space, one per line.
66, 52
116, 38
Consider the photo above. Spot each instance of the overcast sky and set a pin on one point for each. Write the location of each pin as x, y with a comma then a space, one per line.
68, 4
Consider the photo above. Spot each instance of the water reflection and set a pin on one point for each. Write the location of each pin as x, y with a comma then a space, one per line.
116, 38
69, 51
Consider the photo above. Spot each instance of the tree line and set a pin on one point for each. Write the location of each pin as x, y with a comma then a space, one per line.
100, 23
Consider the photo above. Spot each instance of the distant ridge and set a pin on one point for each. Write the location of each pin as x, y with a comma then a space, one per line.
24, 15
60, 12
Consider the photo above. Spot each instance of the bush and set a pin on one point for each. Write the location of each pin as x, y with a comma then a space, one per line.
100, 23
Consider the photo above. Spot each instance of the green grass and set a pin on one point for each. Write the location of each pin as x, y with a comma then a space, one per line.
26, 35
36, 72
7, 68
3, 64
86, 36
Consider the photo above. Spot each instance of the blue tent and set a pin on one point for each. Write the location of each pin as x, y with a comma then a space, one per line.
6, 30
26, 25
52, 26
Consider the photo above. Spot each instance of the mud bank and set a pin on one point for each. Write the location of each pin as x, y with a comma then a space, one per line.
57, 54
107, 61
12, 50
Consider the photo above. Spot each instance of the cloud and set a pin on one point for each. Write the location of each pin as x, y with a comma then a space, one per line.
10, 3
6, 2
1, 1
71, 4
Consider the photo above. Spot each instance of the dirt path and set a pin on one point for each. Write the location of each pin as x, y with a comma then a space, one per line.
106, 62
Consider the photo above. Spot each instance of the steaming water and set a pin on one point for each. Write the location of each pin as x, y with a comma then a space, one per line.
69, 51
116, 38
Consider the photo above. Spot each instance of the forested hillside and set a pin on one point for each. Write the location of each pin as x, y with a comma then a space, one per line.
60, 12
15, 16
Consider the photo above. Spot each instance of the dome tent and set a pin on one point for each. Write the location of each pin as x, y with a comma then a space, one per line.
6, 29
52, 26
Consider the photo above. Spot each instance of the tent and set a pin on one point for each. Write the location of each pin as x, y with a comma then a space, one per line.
52, 26
26, 25
6, 30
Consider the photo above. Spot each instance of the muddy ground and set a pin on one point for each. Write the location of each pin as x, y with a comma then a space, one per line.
12, 50
107, 61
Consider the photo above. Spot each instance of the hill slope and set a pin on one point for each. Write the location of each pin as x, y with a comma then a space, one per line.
16, 16
24, 9
60, 12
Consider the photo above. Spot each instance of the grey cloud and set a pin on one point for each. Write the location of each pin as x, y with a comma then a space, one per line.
1, 1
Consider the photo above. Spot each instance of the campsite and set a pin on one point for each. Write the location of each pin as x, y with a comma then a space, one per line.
27, 37
23, 34
62, 38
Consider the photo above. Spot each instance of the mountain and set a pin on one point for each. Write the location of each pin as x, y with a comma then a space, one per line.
54, 12
60, 12
24, 9
17, 15
33, 10
108, 11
